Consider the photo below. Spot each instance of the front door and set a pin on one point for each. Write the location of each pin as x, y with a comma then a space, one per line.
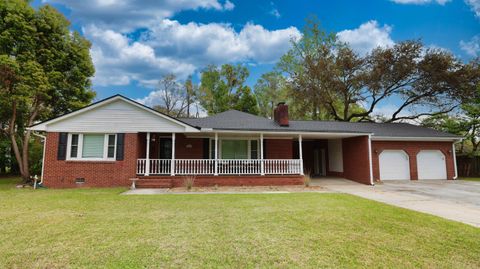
165, 151
319, 162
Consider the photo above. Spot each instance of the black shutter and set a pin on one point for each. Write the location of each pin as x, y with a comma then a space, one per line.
62, 146
120, 146
264, 149
206, 148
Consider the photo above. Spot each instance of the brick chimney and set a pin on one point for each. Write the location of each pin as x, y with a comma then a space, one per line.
280, 114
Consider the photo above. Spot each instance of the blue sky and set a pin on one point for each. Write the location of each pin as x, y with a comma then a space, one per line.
136, 42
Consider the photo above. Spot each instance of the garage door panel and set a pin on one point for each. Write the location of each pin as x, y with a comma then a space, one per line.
431, 164
394, 165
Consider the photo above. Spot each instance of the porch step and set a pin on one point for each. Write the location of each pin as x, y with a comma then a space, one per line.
154, 183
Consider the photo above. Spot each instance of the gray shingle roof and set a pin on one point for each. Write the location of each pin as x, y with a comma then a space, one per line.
236, 120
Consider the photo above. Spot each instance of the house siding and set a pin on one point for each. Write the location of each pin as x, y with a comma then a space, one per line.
412, 148
356, 162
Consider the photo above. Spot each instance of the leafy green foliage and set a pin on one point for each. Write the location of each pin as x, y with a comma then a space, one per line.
329, 80
270, 89
223, 89
45, 71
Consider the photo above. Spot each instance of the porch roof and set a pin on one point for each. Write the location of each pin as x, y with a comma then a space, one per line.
241, 121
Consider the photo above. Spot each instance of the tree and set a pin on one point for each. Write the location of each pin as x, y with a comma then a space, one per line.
191, 96
328, 79
427, 82
222, 88
173, 100
466, 124
304, 64
45, 71
247, 102
270, 89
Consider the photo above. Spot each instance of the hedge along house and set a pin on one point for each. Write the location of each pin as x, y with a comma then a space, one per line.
116, 139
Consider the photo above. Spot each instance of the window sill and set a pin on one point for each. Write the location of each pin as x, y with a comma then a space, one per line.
91, 161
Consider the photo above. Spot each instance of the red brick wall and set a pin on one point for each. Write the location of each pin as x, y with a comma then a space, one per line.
412, 148
356, 162
181, 150
205, 181
62, 174
278, 149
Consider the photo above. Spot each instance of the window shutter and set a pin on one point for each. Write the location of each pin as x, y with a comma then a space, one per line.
120, 146
264, 149
206, 148
62, 146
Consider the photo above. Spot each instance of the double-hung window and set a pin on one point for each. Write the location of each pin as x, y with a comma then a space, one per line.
92, 146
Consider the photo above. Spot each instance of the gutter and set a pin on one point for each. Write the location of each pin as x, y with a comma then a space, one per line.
44, 141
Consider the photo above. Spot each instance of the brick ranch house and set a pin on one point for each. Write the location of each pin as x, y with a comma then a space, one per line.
114, 140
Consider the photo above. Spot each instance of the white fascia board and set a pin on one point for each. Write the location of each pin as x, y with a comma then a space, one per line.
295, 133
390, 138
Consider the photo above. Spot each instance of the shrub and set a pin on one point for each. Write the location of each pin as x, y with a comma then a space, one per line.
307, 179
188, 182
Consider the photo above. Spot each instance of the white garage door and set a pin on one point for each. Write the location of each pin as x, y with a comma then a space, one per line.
431, 165
394, 165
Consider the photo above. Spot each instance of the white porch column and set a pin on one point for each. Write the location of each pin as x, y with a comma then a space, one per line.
216, 154
262, 164
300, 153
147, 156
172, 161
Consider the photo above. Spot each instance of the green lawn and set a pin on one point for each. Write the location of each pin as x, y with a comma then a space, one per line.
99, 228
470, 178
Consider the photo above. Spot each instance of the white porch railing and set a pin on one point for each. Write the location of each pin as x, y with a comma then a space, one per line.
225, 167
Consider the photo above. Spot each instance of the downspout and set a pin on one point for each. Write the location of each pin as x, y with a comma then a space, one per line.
455, 176
370, 158
44, 140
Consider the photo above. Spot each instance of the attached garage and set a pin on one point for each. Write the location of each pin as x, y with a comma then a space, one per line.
394, 165
431, 164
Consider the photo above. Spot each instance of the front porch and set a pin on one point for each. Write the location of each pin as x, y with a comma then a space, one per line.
247, 158
211, 155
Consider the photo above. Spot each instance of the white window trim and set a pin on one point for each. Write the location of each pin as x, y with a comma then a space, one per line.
249, 145
80, 148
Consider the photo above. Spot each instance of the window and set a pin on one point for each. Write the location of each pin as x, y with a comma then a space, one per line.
92, 146
235, 149
111, 146
74, 146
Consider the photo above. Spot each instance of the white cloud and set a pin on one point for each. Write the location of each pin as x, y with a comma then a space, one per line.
119, 61
472, 47
274, 11
474, 5
216, 43
228, 5
367, 36
127, 15
421, 2
181, 49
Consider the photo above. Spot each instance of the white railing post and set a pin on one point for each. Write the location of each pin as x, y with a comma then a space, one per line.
300, 153
147, 157
172, 161
216, 154
262, 166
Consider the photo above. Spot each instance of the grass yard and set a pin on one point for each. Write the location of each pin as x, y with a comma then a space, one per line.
99, 228
470, 178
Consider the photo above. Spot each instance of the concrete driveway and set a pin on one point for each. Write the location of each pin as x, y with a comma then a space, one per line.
455, 200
